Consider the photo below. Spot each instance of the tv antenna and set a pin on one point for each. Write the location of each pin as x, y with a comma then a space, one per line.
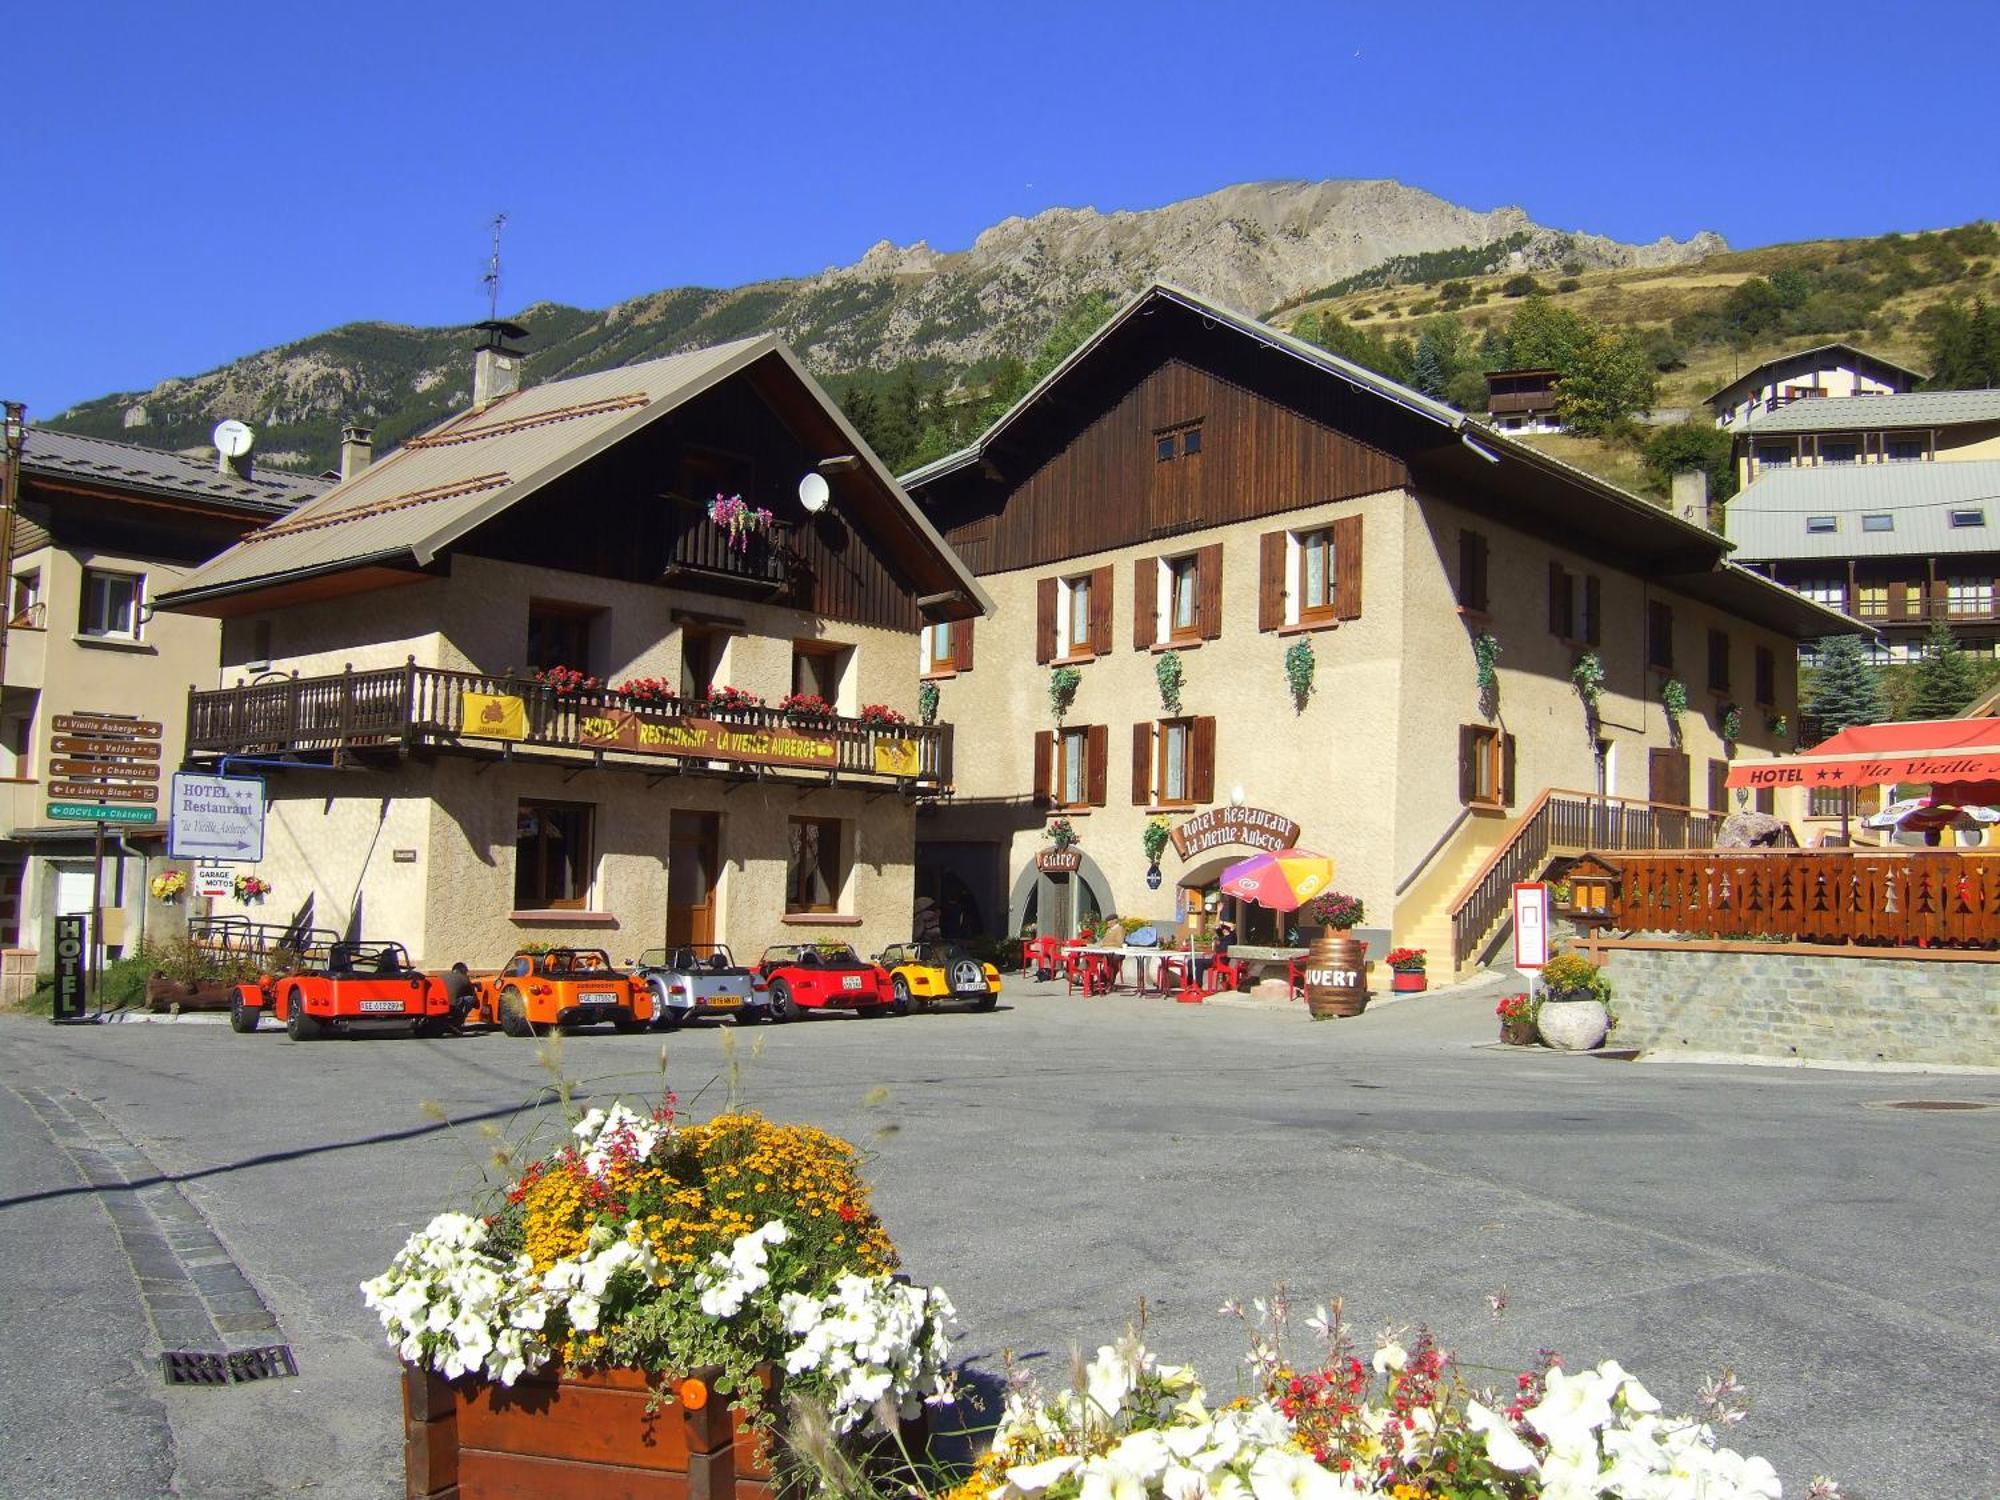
491, 280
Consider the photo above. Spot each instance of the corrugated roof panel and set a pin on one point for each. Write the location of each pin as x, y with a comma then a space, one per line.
1869, 413
51, 451
1768, 520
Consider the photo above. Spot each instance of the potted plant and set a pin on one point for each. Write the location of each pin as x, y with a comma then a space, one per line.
1063, 683
566, 682
1574, 1014
1062, 833
928, 697
250, 889
1408, 965
1517, 1020
170, 886
882, 716
729, 700
1300, 664
805, 708
1336, 975
648, 692
610, 1312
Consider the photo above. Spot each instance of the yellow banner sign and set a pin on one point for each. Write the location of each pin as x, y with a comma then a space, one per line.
897, 758
493, 716
705, 739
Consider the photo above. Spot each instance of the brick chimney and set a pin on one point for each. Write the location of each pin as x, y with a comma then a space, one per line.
357, 449
496, 362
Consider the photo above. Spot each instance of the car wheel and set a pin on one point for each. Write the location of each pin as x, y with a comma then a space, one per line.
783, 1006
299, 1026
626, 1024
987, 1001
514, 1013
752, 1015
902, 1002
243, 1017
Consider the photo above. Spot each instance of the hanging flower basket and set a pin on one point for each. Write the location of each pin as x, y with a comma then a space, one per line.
742, 522
250, 890
1062, 833
928, 697
1300, 664
170, 887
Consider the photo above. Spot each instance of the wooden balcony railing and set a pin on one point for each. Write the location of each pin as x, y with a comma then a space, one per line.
400, 707
1910, 898
699, 552
1562, 822
1510, 403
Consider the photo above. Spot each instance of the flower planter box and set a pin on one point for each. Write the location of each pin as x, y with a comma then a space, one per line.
1408, 982
164, 994
560, 1435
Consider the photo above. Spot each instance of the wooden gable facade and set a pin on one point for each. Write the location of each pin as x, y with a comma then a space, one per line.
1171, 424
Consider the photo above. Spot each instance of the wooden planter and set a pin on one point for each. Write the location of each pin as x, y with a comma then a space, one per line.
163, 994
1336, 976
558, 1436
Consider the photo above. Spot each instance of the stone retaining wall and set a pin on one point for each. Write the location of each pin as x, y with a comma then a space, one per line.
1802, 1003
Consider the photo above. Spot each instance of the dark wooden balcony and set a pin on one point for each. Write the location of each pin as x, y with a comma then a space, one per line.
1520, 403
362, 716
700, 554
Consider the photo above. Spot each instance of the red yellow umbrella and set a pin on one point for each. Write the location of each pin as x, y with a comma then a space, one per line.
1283, 880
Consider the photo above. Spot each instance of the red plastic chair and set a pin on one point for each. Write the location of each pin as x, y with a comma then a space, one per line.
1225, 974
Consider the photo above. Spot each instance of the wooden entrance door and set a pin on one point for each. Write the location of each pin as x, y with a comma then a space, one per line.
1056, 910
694, 864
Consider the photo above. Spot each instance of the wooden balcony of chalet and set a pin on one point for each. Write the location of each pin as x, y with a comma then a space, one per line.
1520, 403
373, 716
701, 554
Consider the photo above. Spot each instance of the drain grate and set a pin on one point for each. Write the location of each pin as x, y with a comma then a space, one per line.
1934, 1104
197, 1367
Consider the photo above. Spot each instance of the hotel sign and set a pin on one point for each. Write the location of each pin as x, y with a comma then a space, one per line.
1253, 827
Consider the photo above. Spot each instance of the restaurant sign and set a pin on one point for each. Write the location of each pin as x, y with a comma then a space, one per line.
705, 739
1059, 861
1253, 827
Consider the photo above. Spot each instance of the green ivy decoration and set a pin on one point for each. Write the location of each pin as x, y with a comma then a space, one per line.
1063, 683
1588, 675
1486, 654
1674, 699
1153, 838
1779, 727
1168, 672
1299, 666
1732, 724
927, 702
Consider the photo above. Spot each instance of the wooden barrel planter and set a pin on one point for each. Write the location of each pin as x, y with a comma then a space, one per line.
163, 994
566, 1436
1336, 976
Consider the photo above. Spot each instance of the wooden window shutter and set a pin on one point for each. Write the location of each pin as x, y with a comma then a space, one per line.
1507, 770
1718, 785
1347, 568
1142, 765
1562, 603
1201, 752
1271, 580
1095, 753
1468, 763
1045, 754
1145, 602
1100, 610
1593, 611
961, 645
1045, 620
1208, 590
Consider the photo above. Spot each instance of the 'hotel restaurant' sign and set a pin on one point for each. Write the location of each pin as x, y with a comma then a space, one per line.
504, 717
1251, 826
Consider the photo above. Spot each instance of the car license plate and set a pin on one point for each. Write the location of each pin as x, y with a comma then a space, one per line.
598, 997
395, 1005
851, 982
723, 1002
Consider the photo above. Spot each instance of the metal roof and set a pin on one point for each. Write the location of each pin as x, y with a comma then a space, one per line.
52, 453
1751, 375
1868, 413
1767, 520
442, 483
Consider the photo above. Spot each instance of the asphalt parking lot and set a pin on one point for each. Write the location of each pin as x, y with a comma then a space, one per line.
1050, 1164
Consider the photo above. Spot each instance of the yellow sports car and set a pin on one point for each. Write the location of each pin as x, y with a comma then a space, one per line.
926, 973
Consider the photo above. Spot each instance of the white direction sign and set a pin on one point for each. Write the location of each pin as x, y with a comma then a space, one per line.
213, 880
216, 819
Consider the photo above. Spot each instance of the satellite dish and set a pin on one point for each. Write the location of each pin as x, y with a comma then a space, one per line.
814, 492
233, 438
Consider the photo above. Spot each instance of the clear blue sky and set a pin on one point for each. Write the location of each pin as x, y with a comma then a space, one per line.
182, 184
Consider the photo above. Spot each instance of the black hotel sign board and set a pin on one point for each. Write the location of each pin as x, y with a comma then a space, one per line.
72, 952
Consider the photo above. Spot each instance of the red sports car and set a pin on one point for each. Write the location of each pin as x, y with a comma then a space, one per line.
822, 976
343, 986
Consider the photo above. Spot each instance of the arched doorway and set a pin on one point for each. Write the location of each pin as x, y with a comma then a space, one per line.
1057, 902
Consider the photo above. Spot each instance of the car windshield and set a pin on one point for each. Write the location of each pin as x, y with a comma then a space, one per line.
834, 955
366, 958
577, 961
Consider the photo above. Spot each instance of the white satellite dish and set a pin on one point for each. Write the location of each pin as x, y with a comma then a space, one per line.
233, 438
814, 492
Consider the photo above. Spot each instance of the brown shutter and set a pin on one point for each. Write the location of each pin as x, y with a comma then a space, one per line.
1095, 755
1142, 765
1045, 749
1271, 580
1560, 602
1100, 610
1347, 568
1201, 750
1045, 620
1899, 601
1593, 611
1145, 602
1718, 786
1208, 591
1468, 753
961, 645
1507, 770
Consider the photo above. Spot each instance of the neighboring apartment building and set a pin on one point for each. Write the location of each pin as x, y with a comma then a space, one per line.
1194, 487
1523, 400
104, 529
1838, 432
425, 788
1826, 371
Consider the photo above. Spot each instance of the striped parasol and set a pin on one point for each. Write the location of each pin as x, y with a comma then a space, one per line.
1283, 879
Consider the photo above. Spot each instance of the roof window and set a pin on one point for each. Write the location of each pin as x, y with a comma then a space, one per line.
1878, 523
1820, 525
1972, 516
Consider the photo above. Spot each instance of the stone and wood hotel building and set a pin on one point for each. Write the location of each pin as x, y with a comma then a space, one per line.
1193, 497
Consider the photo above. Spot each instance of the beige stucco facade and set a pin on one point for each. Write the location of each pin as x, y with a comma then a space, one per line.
1368, 767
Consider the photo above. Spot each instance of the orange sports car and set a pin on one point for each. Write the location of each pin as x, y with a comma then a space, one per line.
562, 987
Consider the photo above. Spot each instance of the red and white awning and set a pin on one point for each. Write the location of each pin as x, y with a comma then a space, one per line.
1925, 750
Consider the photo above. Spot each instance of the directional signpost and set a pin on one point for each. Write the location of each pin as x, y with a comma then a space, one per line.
216, 819
106, 769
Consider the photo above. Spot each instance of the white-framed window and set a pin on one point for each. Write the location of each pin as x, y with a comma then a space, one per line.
1073, 766
1180, 583
1073, 606
1309, 559
1968, 595
1879, 522
1967, 517
939, 649
1172, 777
1822, 525
25, 608
111, 603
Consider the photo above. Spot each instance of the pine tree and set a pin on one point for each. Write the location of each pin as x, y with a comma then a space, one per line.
1846, 689
1946, 682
